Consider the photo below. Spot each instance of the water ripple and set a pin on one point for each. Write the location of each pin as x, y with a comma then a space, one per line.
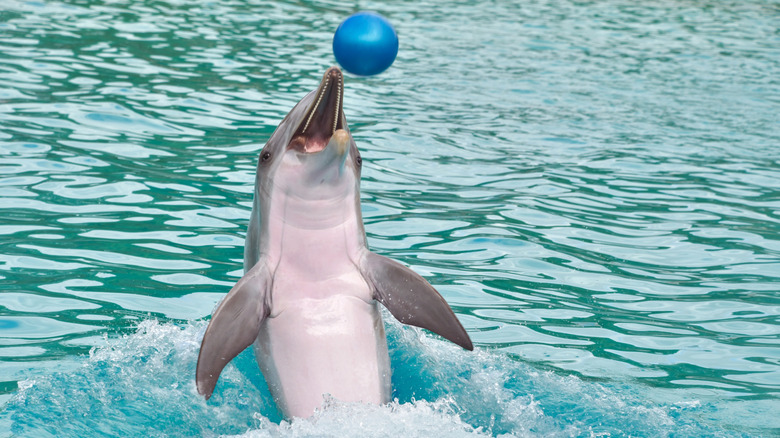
593, 187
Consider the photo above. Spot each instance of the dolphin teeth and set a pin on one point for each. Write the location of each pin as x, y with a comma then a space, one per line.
323, 89
338, 105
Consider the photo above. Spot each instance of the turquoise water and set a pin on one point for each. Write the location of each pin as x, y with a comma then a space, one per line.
593, 186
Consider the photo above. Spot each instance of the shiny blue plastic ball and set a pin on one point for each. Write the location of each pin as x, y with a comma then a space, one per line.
365, 44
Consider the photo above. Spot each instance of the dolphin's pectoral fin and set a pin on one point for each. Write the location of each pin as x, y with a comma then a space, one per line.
234, 326
411, 299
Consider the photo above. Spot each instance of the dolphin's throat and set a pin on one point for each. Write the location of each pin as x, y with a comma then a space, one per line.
323, 117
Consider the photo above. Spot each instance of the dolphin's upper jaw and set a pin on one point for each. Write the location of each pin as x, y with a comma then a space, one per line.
323, 117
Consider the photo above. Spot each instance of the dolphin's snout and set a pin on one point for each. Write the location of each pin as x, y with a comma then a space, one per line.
323, 117
333, 73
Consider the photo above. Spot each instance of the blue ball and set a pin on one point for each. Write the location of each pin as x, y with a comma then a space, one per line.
365, 44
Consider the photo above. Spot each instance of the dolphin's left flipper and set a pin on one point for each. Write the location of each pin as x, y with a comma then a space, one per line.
234, 326
411, 299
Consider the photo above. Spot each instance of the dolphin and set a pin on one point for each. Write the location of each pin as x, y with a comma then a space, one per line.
309, 299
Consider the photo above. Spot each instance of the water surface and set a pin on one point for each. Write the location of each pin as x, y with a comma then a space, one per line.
593, 186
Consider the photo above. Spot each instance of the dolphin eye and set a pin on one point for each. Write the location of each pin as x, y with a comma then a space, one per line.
265, 157
359, 161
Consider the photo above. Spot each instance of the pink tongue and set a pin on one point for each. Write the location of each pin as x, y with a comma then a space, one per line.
315, 144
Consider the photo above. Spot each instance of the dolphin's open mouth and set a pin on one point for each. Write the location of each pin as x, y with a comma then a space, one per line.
323, 117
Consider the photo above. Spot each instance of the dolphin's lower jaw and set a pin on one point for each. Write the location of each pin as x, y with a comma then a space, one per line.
323, 117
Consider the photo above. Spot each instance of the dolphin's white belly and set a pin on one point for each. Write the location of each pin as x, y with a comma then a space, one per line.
334, 344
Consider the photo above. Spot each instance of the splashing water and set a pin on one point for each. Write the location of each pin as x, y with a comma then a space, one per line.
142, 385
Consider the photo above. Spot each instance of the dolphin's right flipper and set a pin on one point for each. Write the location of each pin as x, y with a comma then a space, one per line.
411, 299
234, 326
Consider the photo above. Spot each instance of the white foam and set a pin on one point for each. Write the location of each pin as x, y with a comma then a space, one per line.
418, 419
143, 383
